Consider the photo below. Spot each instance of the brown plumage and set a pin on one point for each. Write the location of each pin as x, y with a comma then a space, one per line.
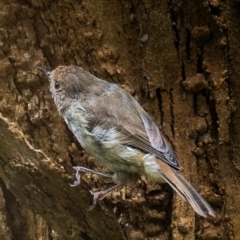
110, 124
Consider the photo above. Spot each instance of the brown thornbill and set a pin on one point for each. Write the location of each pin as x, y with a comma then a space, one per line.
111, 125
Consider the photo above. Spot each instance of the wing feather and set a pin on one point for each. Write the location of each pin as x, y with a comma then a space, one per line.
145, 145
158, 141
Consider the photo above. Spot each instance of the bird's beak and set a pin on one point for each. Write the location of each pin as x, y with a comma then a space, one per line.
48, 73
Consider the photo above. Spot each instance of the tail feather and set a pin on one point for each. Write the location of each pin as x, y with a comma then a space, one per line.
185, 190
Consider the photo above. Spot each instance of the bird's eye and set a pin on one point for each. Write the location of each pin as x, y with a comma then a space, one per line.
57, 86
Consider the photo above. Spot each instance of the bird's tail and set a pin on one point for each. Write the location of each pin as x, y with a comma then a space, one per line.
185, 190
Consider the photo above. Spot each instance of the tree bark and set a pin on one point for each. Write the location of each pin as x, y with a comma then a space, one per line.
179, 59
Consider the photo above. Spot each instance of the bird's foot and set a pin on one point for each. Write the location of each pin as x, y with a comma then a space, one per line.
101, 194
83, 169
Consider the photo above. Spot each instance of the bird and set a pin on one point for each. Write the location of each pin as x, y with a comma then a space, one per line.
113, 127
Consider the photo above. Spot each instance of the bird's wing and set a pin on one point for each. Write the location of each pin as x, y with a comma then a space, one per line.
153, 143
158, 141
119, 109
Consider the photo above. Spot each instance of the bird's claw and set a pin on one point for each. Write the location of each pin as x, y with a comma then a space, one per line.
78, 177
96, 196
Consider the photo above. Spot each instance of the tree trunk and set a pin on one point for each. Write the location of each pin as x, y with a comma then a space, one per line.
179, 59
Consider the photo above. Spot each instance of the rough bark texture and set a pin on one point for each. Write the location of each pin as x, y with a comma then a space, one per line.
179, 59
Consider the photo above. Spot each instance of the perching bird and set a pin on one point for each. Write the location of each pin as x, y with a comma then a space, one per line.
111, 125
